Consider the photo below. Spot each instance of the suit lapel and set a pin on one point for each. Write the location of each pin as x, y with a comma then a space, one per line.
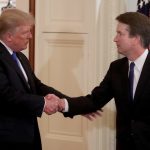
5, 55
125, 80
145, 76
28, 72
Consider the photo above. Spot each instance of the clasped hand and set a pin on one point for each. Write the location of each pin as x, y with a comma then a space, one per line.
53, 104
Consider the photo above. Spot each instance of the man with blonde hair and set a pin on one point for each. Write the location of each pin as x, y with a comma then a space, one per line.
23, 97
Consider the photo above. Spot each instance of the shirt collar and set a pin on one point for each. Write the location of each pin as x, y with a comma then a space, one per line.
139, 62
8, 48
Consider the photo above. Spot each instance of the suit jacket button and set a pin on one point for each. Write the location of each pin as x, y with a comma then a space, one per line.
132, 134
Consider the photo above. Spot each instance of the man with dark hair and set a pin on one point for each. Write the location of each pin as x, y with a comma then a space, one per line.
128, 82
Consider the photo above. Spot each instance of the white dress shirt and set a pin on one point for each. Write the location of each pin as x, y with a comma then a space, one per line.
139, 62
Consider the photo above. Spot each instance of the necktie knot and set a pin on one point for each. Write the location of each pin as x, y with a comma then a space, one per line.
14, 56
132, 64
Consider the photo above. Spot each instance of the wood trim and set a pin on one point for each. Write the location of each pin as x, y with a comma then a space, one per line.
32, 41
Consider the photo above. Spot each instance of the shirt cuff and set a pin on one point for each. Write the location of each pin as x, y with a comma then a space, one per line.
66, 109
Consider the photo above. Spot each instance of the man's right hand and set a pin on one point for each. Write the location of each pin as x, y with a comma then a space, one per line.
51, 104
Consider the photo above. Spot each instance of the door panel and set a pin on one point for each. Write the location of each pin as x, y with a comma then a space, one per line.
62, 58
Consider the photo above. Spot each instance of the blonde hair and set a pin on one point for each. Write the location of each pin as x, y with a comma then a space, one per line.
12, 18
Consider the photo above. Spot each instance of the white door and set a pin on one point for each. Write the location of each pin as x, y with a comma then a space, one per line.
62, 61
72, 53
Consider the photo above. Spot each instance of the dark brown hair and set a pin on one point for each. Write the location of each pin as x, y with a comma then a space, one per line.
139, 24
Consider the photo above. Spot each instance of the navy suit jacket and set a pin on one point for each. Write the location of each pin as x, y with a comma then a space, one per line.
20, 102
133, 117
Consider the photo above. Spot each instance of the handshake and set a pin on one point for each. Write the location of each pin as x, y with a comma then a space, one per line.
53, 104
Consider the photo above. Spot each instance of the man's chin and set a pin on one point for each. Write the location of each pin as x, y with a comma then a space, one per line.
119, 51
25, 47
22, 49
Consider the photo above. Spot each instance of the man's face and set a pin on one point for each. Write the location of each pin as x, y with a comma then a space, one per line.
124, 41
19, 39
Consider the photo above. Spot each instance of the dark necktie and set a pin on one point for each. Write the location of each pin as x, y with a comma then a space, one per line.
131, 78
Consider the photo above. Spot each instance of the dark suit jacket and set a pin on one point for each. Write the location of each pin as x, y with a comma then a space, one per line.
20, 103
133, 117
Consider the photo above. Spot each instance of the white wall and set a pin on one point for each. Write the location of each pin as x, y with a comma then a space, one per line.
131, 5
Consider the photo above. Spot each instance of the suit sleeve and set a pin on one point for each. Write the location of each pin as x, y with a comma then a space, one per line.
99, 96
40, 88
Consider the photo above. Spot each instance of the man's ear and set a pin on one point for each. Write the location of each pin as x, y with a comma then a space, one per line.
138, 38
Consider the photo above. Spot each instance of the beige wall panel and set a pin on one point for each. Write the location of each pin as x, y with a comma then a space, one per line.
63, 61
23, 5
64, 15
62, 65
